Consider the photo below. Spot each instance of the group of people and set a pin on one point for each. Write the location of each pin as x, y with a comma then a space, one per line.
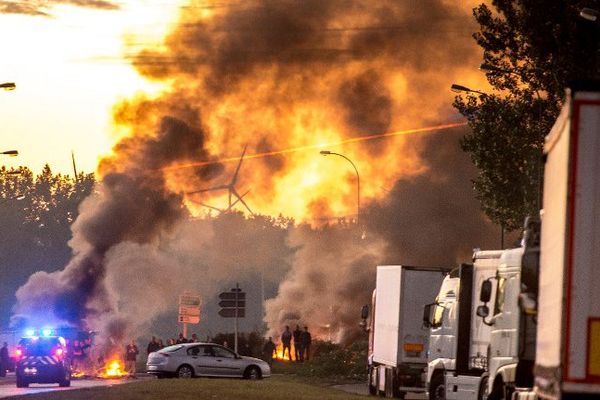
302, 342
157, 344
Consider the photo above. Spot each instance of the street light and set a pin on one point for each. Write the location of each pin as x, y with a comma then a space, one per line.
327, 153
459, 88
589, 14
11, 153
492, 68
8, 86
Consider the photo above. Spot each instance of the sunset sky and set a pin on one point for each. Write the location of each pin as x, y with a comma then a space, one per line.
70, 70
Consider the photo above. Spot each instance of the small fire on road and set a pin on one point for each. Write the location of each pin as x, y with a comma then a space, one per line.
113, 369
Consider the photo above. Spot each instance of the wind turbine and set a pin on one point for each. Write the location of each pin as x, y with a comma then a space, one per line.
230, 187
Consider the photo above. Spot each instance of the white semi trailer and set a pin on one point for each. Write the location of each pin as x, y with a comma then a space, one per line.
398, 342
567, 354
459, 339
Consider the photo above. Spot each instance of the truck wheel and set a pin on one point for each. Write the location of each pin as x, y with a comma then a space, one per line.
372, 378
499, 391
437, 387
483, 388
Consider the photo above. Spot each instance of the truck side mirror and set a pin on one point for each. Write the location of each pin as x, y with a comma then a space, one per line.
486, 291
483, 311
364, 312
427, 315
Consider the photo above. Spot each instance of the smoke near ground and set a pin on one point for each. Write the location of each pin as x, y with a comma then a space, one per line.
275, 75
428, 220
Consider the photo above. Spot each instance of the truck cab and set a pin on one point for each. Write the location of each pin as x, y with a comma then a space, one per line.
459, 339
504, 320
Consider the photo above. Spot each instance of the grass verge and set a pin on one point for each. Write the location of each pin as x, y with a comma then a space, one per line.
274, 388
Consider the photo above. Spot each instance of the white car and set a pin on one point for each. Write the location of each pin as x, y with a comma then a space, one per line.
188, 360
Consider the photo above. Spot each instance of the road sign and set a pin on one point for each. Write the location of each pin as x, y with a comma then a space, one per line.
231, 296
190, 300
189, 320
189, 309
230, 312
231, 303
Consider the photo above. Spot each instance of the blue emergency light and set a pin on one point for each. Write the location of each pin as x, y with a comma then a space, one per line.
29, 332
46, 332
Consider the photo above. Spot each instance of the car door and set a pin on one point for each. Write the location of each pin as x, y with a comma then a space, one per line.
201, 358
226, 363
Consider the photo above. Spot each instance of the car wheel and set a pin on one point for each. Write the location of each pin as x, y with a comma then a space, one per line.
253, 373
437, 388
66, 381
185, 372
21, 383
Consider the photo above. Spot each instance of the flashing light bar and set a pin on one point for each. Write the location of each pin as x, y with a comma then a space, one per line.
42, 332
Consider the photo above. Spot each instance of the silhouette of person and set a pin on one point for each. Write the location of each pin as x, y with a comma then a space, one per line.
286, 340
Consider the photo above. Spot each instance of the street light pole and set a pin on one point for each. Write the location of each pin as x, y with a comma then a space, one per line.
326, 153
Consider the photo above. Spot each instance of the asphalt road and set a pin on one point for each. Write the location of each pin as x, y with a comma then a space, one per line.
8, 387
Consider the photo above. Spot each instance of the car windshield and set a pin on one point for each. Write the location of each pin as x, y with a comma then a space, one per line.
171, 349
39, 346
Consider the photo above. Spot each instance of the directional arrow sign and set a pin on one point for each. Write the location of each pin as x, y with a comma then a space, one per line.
230, 312
232, 296
231, 303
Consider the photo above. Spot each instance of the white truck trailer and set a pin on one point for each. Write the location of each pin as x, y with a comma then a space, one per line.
567, 355
459, 339
398, 341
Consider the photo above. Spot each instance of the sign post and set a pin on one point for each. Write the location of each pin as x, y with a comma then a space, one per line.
189, 310
233, 305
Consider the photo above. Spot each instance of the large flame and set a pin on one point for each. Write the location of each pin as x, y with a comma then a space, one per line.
291, 78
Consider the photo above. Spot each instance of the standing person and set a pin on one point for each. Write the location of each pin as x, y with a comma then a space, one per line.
77, 356
297, 343
306, 342
286, 340
268, 350
152, 346
161, 345
4, 359
131, 352
181, 339
86, 360
194, 338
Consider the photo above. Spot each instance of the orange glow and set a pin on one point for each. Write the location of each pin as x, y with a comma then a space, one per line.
113, 369
324, 145
279, 353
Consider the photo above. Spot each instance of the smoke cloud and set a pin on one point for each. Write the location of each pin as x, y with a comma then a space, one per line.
129, 204
276, 75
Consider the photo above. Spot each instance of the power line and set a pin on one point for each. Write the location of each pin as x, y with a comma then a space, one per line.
320, 146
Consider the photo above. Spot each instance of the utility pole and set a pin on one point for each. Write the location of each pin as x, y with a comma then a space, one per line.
235, 328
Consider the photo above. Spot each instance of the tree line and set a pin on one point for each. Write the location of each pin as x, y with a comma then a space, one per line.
532, 51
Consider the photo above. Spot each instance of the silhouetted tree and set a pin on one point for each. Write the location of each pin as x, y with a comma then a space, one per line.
536, 47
